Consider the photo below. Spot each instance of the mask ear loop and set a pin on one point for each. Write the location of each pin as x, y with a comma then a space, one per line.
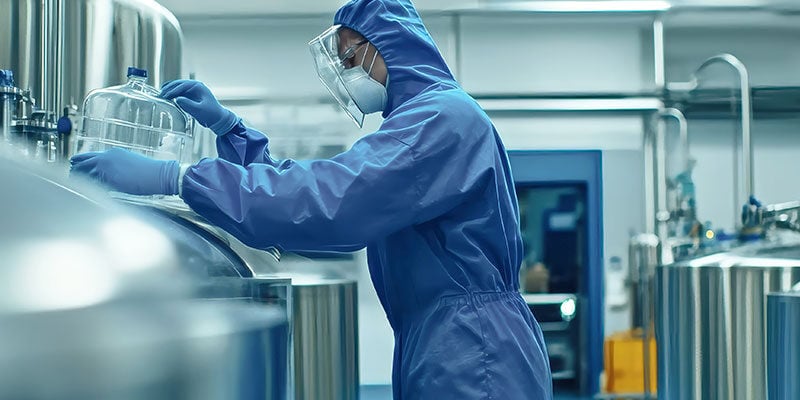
374, 57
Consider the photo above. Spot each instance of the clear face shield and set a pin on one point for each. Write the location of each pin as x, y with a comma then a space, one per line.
331, 61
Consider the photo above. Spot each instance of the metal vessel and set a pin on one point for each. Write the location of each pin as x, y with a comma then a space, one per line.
59, 50
324, 303
101, 300
783, 357
326, 338
711, 319
62, 49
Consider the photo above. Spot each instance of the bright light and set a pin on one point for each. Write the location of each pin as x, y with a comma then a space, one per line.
134, 245
59, 274
568, 309
586, 6
709, 234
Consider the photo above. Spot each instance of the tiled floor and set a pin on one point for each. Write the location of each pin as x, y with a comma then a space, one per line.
373, 392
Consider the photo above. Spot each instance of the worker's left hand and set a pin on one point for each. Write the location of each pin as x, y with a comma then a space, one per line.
128, 172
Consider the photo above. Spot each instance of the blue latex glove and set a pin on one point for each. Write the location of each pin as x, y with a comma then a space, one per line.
197, 100
127, 172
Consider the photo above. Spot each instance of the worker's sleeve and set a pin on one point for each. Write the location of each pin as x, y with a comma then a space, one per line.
244, 146
412, 170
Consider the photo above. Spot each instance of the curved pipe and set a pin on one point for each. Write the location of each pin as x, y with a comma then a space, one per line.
659, 195
683, 129
746, 181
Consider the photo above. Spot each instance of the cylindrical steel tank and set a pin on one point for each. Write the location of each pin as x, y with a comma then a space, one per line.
711, 320
783, 347
62, 49
325, 322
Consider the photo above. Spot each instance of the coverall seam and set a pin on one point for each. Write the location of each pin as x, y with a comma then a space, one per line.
488, 376
418, 193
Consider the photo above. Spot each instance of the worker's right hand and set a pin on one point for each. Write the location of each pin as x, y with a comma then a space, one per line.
198, 101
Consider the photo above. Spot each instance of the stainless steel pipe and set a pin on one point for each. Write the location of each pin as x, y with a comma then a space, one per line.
643, 256
663, 212
746, 173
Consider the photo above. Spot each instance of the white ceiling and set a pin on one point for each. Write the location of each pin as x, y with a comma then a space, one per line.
684, 12
183, 8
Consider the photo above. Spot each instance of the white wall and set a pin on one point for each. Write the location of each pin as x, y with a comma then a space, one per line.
522, 55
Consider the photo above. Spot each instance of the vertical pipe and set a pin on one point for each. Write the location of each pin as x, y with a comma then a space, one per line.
643, 254
644, 287
6, 103
662, 214
747, 150
660, 79
456, 46
649, 175
58, 58
44, 52
658, 53
51, 53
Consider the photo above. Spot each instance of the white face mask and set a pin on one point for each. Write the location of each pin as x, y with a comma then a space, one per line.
369, 95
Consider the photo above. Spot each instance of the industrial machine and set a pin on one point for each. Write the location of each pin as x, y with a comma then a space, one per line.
704, 292
64, 66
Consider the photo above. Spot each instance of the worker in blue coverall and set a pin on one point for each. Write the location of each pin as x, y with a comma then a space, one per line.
430, 195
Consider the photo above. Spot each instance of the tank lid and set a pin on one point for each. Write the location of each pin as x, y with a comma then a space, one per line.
133, 71
6, 77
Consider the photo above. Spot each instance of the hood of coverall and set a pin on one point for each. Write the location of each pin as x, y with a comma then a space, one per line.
395, 28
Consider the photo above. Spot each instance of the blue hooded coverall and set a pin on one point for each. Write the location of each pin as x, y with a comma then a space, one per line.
430, 195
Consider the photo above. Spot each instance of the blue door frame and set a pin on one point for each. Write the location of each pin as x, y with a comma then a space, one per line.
548, 167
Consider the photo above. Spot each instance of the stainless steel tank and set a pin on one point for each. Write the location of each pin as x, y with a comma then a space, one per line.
325, 315
98, 301
224, 269
62, 49
324, 322
783, 352
711, 320
322, 303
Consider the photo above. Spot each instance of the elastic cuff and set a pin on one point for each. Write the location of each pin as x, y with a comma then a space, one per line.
225, 125
170, 173
181, 173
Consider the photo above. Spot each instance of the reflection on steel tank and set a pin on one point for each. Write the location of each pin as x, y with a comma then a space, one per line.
62, 49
